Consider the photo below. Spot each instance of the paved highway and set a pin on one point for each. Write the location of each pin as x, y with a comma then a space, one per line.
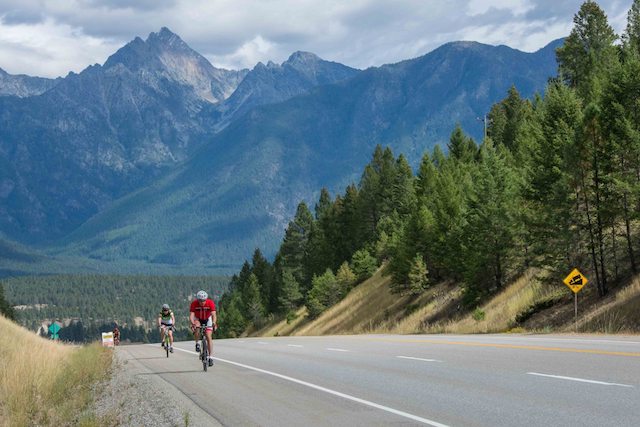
438, 380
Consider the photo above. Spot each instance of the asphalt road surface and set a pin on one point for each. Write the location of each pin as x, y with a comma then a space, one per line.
438, 380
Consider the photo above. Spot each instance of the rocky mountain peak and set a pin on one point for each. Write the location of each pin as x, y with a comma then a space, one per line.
167, 40
303, 58
164, 55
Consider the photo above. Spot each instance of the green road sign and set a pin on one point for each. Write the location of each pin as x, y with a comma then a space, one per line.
54, 328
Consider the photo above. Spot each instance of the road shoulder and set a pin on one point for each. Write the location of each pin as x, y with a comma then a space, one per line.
133, 396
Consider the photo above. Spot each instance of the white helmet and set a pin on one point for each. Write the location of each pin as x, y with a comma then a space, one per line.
165, 306
201, 295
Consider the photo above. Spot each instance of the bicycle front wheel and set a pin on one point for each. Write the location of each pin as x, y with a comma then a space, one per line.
205, 355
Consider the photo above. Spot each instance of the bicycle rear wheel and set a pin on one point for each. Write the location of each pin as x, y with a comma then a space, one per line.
166, 343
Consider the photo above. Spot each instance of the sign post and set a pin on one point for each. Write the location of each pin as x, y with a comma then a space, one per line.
54, 328
575, 281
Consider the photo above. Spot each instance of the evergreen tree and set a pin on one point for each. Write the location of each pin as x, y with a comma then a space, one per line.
631, 37
490, 232
294, 249
588, 51
234, 322
325, 292
418, 276
346, 278
363, 264
426, 180
253, 300
265, 274
290, 295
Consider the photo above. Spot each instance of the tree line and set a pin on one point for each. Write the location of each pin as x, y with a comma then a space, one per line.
555, 184
89, 304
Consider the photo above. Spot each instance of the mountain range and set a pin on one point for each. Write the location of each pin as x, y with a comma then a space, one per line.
157, 156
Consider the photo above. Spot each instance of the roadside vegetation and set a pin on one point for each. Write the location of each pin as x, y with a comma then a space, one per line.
553, 186
48, 383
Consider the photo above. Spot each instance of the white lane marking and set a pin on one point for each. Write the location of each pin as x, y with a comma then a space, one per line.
333, 392
418, 358
262, 342
295, 345
582, 380
337, 349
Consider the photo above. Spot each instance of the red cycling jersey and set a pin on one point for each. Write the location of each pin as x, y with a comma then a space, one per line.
202, 312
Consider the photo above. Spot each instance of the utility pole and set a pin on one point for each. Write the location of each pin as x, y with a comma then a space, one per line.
483, 119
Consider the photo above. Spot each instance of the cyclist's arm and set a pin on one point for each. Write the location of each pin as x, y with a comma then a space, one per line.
192, 317
173, 319
159, 321
214, 318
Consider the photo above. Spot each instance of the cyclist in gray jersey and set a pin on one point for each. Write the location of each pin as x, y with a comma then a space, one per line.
166, 323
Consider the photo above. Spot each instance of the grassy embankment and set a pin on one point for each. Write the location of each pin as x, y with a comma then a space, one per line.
48, 383
526, 305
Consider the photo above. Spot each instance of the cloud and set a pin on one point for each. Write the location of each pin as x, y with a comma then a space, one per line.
49, 49
53, 37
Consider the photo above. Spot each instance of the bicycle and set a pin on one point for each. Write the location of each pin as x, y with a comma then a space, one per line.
204, 347
167, 341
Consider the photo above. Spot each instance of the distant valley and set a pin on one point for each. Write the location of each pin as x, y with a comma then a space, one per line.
159, 160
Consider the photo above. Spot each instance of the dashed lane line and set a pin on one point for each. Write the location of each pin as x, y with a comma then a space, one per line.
418, 358
582, 380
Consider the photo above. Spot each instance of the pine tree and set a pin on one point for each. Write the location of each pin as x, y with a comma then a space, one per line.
290, 295
631, 37
588, 51
294, 248
253, 300
552, 181
265, 274
324, 293
489, 237
345, 278
363, 264
418, 276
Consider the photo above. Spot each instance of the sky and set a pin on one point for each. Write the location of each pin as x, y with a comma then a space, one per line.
50, 38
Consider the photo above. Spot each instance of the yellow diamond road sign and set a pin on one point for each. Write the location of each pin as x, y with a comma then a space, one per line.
575, 280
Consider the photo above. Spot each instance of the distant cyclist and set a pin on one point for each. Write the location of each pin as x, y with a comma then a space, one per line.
166, 323
116, 334
203, 312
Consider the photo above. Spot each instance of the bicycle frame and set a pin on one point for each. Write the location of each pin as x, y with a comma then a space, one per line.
204, 348
167, 340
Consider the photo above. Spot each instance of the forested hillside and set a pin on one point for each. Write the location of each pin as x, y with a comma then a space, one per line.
555, 185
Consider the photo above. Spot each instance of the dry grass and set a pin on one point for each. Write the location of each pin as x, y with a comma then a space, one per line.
44, 382
281, 327
499, 313
371, 308
630, 291
362, 310
619, 314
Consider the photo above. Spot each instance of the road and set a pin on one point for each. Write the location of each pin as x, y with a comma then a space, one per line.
438, 380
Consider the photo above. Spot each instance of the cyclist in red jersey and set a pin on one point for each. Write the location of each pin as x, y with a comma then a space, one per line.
203, 312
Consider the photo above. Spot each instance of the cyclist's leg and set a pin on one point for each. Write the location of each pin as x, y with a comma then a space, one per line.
170, 331
209, 331
162, 335
196, 335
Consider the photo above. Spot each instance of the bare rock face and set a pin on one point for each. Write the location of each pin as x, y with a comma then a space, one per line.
24, 86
